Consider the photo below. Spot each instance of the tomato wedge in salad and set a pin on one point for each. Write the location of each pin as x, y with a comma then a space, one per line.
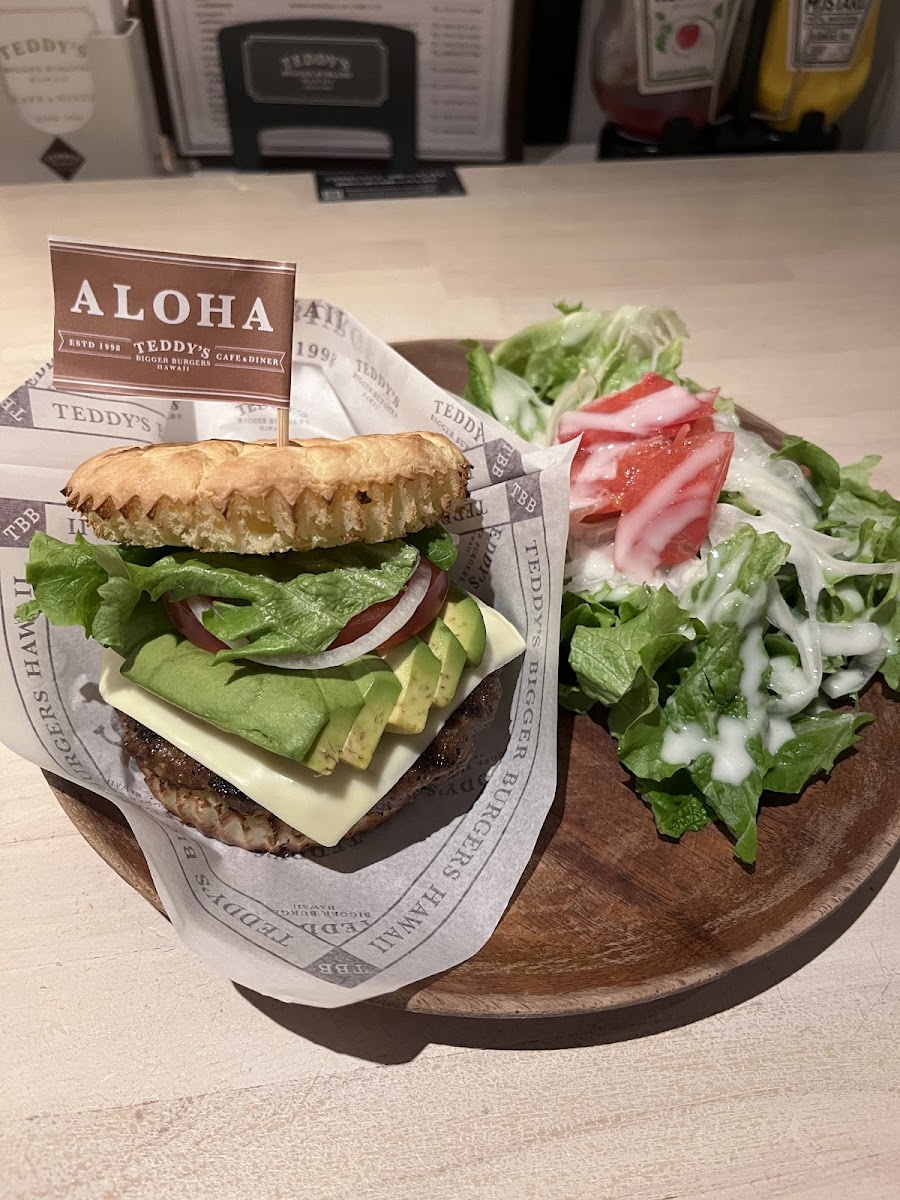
653, 405
619, 432
668, 505
601, 476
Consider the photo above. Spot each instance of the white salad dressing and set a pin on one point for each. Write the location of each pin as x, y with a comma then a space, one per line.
732, 761
855, 675
780, 731
731, 758
767, 483
851, 598
682, 745
849, 638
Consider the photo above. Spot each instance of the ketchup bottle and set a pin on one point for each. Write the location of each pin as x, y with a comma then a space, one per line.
657, 60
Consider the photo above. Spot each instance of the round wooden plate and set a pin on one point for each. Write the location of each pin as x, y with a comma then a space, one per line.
607, 913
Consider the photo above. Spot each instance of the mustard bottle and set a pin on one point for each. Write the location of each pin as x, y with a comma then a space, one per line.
816, 58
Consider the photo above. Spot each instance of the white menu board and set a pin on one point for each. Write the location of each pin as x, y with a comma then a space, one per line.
462, 87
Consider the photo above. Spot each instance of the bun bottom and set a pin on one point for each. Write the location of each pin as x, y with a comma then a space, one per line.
200, 798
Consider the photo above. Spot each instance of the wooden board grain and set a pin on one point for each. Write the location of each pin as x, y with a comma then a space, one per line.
608, 914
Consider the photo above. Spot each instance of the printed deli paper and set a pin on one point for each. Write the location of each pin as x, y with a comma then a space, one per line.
425, 890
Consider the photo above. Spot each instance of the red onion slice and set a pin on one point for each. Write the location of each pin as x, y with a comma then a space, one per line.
340, 655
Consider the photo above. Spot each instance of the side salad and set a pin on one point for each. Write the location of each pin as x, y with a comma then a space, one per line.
726, 602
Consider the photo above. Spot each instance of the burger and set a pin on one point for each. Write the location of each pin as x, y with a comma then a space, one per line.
288, 657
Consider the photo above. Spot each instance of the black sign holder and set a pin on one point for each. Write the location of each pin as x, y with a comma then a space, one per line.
340, 74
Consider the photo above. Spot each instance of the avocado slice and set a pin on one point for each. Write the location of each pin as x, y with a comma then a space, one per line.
445, 647
463, 618
281, 711
380, 689
344, 702
418, 672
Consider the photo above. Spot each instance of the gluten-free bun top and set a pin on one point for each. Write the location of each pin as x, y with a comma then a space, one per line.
259, 498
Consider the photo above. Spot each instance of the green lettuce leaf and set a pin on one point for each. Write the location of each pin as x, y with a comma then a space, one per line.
480, 383
435, 544
737, 570
502, 394
285, 604
700, 684
856, 500
65, 579
638, 724
877, 541
564, 307
676, 804
530, 379
707, 691
582, 610
516, 404
824, 472
818, 741
616, 348
572, 698
606, 660
735, 804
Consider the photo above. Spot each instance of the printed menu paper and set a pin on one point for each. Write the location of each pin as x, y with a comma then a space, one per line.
463, 74
423, 891
148, 323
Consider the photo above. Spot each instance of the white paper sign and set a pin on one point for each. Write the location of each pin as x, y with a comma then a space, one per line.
425, 890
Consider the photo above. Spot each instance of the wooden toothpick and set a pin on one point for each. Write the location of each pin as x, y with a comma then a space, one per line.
284, 427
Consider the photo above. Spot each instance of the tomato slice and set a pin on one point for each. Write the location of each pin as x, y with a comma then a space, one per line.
654, 405
704, 424
364, 621
592, 480
433, 601
190, 627
602, 472
616, 401
431, 605
668, 502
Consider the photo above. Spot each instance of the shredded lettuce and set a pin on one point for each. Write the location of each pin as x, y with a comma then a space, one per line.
507, 397
530, 379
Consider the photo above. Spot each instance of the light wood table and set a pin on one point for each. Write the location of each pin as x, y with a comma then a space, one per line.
131, 1071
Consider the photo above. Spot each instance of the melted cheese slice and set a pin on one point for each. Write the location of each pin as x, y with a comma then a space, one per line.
323, 807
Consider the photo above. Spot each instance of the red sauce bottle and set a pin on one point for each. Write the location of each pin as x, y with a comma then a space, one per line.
657, 60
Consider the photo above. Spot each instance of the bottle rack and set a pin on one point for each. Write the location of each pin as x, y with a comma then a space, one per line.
119, 140
739, 131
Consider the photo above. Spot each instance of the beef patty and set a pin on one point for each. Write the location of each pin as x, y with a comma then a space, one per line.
200, 797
